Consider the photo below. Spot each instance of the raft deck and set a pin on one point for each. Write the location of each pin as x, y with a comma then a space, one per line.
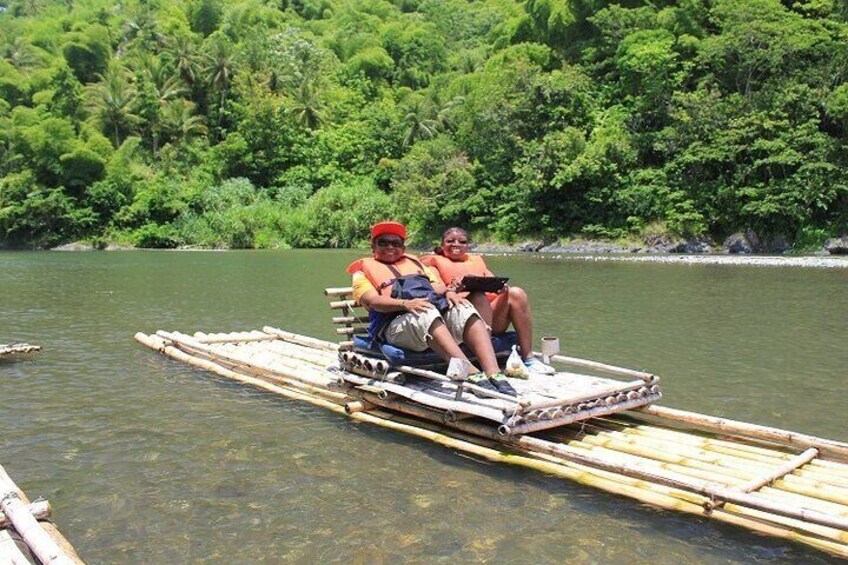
768, 480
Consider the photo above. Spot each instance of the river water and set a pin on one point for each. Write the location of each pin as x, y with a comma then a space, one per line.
148, 461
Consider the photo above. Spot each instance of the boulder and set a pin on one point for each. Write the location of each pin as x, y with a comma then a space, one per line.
75, 246
742, 242
837, 245
693, 245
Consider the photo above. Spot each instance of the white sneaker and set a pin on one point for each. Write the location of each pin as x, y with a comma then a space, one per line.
538, 367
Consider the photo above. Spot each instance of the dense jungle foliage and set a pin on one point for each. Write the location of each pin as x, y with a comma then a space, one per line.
261, 123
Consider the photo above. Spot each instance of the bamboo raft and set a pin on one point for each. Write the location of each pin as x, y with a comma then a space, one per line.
771, 481
25, 534
15, 349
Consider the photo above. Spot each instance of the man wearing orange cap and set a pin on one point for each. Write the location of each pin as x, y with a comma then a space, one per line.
409, 307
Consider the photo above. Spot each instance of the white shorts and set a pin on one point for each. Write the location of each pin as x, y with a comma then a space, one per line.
412, 330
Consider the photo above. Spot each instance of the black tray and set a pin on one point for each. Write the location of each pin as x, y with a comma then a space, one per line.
473, 283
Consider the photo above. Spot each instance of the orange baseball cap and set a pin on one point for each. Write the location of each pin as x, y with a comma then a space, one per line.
391, 228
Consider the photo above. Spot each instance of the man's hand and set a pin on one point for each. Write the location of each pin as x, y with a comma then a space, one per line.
417, 305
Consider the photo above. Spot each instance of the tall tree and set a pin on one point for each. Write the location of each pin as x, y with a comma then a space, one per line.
111, 102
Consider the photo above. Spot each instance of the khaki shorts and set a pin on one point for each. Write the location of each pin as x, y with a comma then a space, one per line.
412, 330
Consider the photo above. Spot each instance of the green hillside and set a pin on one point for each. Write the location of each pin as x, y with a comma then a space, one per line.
299, 122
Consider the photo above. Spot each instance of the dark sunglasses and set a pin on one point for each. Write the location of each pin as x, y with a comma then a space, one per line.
389, 243
459, 241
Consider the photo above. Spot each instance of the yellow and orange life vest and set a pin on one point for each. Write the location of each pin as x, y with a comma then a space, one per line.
382, 276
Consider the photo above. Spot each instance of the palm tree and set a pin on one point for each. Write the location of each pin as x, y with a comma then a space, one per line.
19, 53
111, 100
182, 53
156, 88
307, 108
179, 121
419, 123
219, 70
444, 110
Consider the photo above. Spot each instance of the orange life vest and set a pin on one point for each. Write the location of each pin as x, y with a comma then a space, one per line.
381, 275
448, 269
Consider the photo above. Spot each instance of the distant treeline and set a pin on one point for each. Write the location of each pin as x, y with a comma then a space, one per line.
262, 123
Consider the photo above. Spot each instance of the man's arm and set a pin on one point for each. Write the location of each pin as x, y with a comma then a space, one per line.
373, 300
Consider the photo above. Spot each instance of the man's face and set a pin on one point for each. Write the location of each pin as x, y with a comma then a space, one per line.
387, 248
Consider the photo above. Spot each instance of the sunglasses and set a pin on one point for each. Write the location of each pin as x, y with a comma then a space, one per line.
459, 241
398, 243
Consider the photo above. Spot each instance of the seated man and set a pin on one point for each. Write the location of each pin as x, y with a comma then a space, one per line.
452, 262
411, 308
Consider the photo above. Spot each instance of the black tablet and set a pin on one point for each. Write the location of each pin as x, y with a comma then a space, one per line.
473, 283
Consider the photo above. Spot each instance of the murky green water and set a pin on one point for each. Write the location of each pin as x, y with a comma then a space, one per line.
148, 461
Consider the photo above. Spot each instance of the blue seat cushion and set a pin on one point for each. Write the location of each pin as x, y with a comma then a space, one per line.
502, 343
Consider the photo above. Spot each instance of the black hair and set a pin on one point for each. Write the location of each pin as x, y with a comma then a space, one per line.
451, 229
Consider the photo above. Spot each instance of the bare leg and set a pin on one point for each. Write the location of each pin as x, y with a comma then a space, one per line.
476, 336
443, 344
515, 307
483, 306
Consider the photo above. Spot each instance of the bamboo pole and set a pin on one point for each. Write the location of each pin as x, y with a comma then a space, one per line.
40, 542
693, 452
309, 393
773, 453
734, 427
759, 482
40, 509
833, 494
157, 343
302, 339
612, 369
10, 553
186, 341
275, 369
244, 338
789, 467
341, 291
805, 501
275, 353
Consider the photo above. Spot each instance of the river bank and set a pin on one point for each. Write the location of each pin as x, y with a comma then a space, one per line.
686, 252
